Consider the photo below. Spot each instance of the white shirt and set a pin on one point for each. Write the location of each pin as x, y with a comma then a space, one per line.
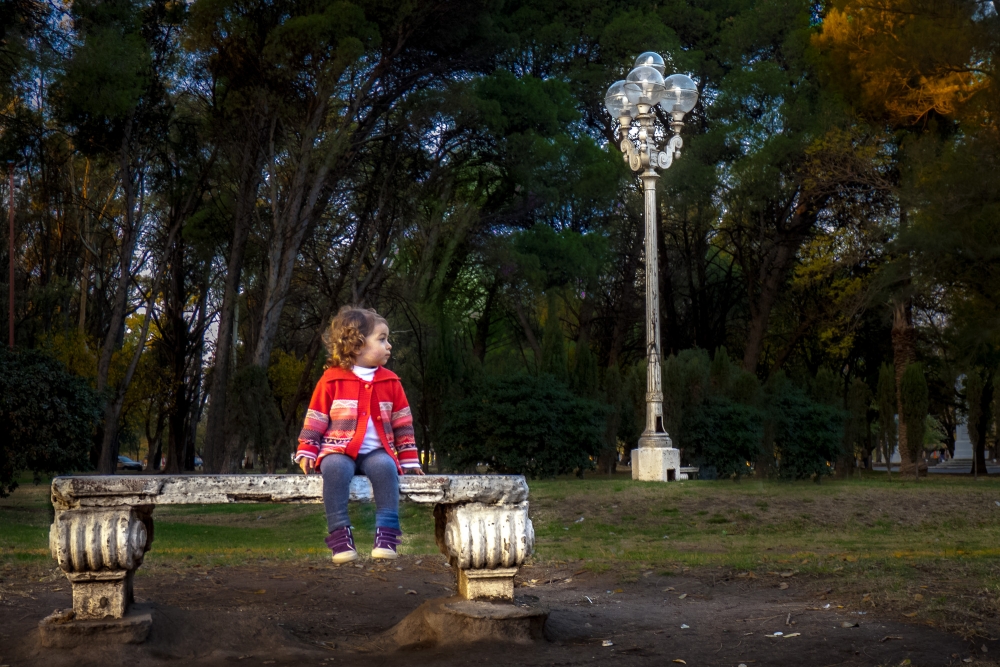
371, 443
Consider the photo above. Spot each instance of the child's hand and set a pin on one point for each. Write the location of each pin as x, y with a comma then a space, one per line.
307, 465
413, 471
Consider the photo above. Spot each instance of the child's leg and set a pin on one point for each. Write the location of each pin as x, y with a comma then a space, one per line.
337, 471
381, 471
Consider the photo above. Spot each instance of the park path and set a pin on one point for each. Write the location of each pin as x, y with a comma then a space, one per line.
314, 614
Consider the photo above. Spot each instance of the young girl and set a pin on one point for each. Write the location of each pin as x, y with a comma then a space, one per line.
358, 421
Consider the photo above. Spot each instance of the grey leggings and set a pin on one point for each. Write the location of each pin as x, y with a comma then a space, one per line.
380, 468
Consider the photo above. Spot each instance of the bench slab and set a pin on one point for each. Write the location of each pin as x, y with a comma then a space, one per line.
116, 490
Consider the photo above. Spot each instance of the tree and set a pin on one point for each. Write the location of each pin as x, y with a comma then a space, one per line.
886, 402
522, 424
978, 415
49, 417
914, 401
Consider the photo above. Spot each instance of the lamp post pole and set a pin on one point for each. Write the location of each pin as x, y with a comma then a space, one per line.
635, 98
10, 256
654, 435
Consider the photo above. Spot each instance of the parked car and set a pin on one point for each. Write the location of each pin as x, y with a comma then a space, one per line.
125, 463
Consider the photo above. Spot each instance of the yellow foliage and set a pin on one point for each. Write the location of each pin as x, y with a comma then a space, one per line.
72, 350
900, 60
284, 373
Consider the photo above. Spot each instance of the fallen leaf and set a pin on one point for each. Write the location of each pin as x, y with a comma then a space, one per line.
619, 590
848, 624
682, 596
918, 597
668, 588
788, 574
783, 586
410, 591
647, 574
910, 615
888, 637
794, 634
967, 660
679, 660
260, 592
746, 575
984, 649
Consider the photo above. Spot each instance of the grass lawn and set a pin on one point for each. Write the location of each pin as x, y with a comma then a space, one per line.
929, 548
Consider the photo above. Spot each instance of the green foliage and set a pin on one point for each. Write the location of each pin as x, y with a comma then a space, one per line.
554, 343
48, 416
857, 430
886, 403
808, 435
914, 401
712, 410
727, 434
253, 415
531, 425
974, 387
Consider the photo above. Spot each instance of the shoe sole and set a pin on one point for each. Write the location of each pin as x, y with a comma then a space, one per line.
345, 557
384, 554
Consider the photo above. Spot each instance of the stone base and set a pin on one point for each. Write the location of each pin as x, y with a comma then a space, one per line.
60, 629
496, 584
456, 621
656, 464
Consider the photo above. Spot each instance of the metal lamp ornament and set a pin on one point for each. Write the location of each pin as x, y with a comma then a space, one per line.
631, 102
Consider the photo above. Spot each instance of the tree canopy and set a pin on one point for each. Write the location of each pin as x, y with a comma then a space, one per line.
202, 185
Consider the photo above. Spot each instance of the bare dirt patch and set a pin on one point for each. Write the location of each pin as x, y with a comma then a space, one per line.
318, 614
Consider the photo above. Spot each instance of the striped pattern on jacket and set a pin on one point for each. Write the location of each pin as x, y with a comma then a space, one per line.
338, 415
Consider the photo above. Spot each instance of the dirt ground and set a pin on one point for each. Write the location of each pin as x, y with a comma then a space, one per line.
317, 614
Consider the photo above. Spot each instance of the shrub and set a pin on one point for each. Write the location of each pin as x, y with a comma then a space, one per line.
726, 434
808, 436
48, 415
522, 424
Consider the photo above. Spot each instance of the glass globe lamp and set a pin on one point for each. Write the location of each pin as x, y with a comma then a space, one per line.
651, 59
618, 104
680, 95
644, 86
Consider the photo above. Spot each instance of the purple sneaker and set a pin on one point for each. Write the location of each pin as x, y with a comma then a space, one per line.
386, 541
341, 542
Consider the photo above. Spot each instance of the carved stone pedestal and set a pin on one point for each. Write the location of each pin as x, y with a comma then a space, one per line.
62, 629
495, 584
656, 464
485, 544
455, 621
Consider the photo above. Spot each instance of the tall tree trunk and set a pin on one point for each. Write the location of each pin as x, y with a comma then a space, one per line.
985, 419
215, 454
770, 279
108, 460
903, 346
176, 341
902, 355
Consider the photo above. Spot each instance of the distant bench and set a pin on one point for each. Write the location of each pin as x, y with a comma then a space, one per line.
104, 526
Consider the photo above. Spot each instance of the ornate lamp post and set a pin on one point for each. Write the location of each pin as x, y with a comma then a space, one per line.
634, 100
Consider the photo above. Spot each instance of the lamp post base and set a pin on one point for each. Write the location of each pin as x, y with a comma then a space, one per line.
656, 461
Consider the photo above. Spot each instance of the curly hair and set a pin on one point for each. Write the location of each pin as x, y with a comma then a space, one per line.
346, 334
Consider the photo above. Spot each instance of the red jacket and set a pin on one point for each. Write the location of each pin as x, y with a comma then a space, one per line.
333, 425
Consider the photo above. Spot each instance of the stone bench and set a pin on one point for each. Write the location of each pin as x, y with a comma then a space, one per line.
104, 526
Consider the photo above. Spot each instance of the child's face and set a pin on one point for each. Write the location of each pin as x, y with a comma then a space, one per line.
376, 350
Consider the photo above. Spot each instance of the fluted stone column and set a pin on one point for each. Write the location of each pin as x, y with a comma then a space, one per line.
485, 544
